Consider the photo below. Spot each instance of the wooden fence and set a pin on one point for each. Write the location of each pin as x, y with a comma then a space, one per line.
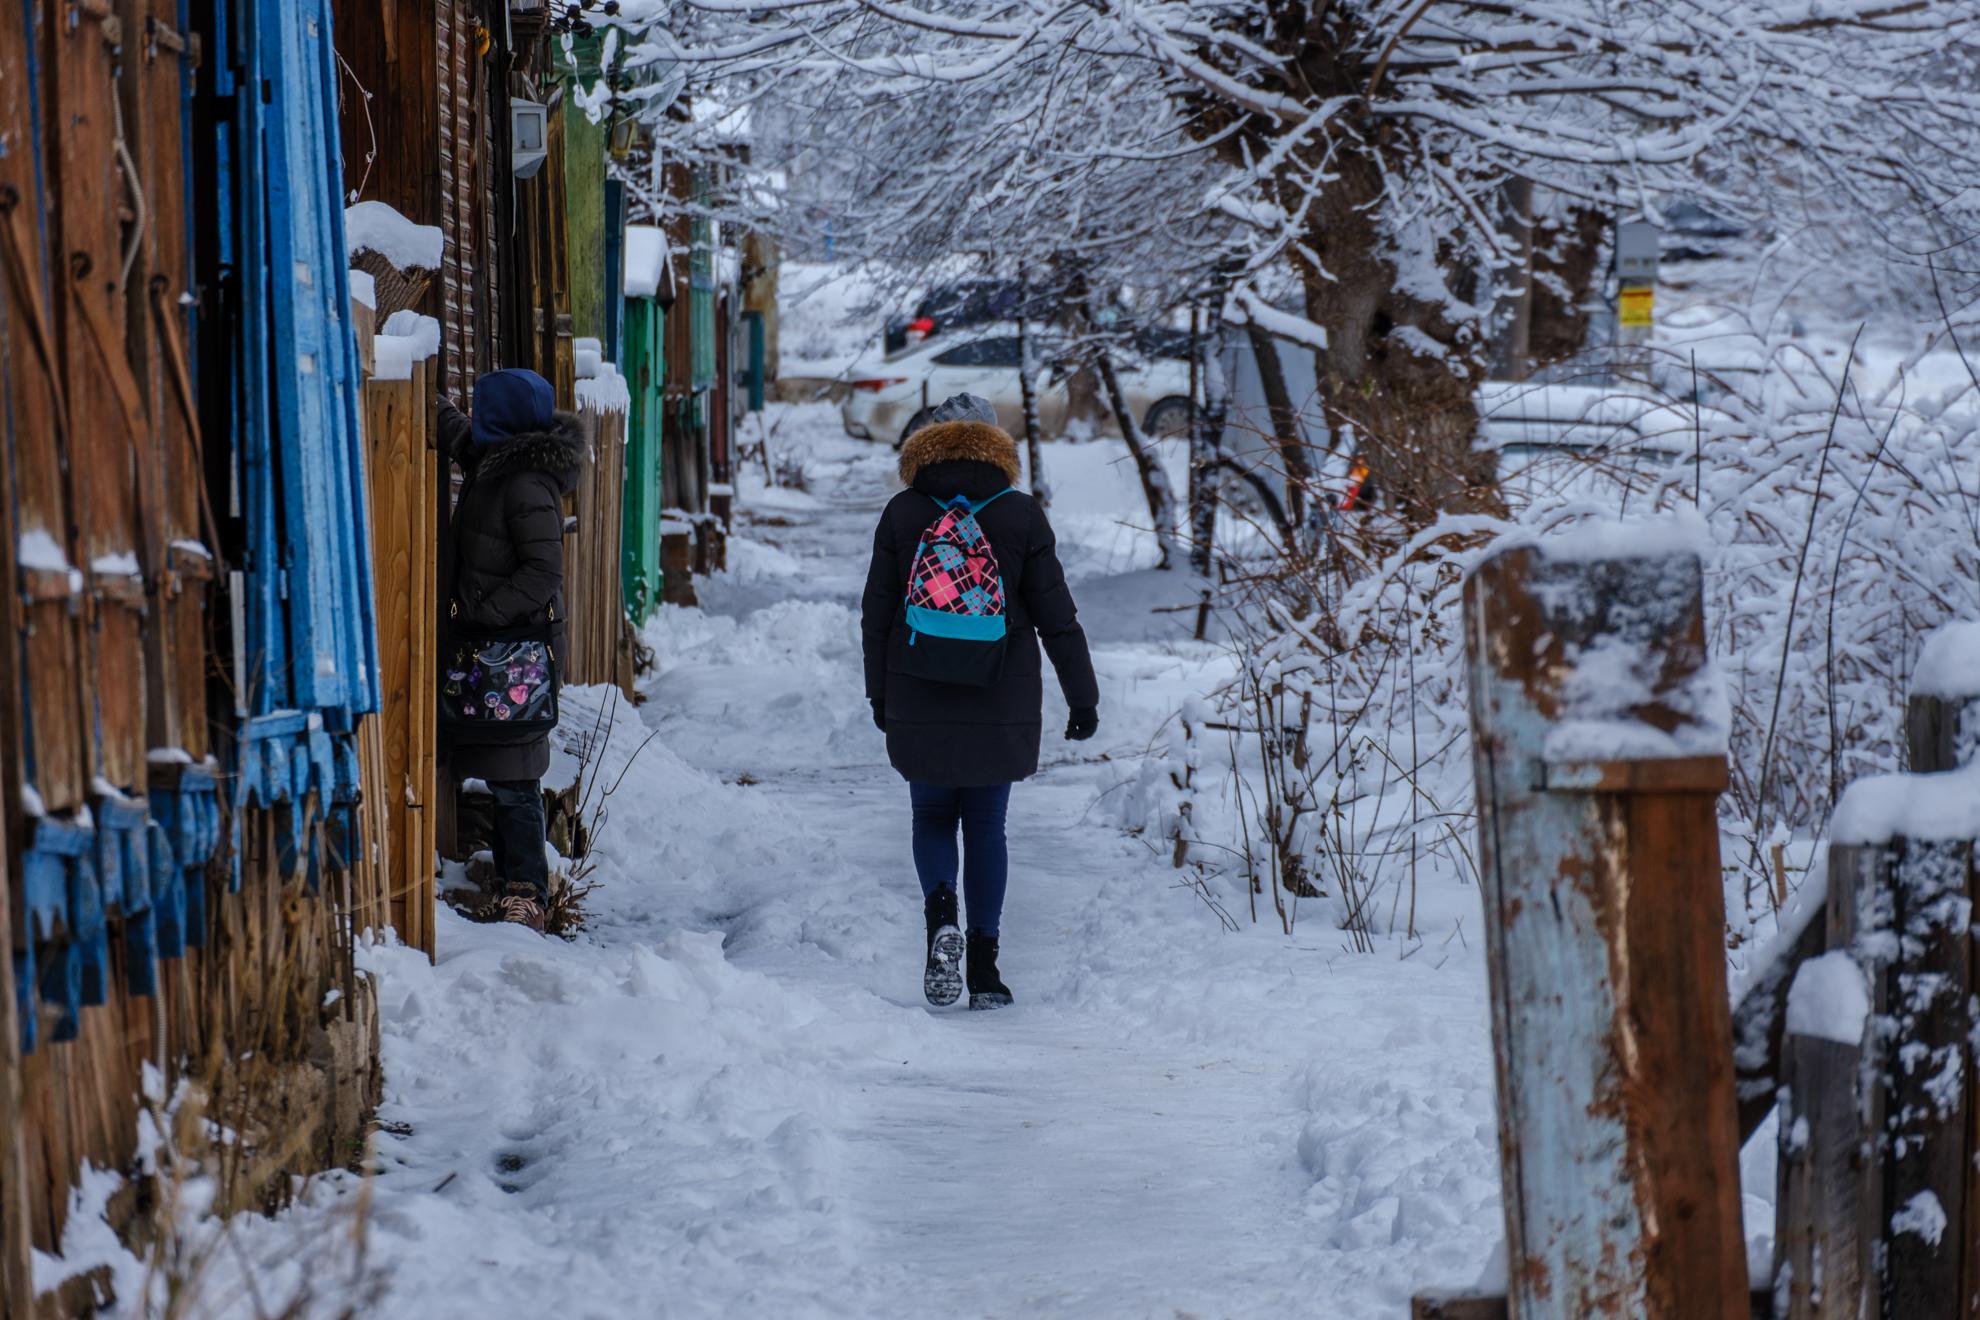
601, 649
1622, 1100
399, 747
188, 626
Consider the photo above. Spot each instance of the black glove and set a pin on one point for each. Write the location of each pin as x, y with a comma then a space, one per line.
880, 716
1081, 724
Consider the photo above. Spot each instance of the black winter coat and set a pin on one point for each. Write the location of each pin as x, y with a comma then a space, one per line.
944, 733
507, 570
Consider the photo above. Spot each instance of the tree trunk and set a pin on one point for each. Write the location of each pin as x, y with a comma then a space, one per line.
1567, 262
1286, 434
1398, 376
1085, 398
1512, 357
1154, 481
1206, 440
1028, 388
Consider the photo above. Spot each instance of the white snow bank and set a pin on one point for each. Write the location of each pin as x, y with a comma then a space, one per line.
376, 227
1949, 666
604, 391
364, 289
646, 260
407, 338
1829, 999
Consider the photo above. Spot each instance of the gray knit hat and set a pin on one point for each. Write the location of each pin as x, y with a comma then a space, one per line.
963, 408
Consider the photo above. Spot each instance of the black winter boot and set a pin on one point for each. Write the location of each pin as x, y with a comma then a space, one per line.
941, 981
986, 988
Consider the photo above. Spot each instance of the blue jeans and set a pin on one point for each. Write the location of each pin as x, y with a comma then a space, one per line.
938, 810
517, 839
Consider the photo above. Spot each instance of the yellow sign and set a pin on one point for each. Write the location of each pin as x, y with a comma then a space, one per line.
1635, 304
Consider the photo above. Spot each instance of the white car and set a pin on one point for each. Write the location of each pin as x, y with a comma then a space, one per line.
983, 361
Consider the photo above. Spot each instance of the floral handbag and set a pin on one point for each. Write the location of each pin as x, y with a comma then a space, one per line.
498, 691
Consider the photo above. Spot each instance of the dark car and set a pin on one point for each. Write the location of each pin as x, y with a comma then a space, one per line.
964, 303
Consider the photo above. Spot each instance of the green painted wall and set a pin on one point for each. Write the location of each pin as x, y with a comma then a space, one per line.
584, 190
645, 366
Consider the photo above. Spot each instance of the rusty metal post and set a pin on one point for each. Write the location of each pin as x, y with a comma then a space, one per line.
1599, 748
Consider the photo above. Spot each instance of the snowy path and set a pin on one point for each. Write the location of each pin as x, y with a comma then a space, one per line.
729, 1099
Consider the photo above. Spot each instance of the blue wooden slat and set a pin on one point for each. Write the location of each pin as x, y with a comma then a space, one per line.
330, 613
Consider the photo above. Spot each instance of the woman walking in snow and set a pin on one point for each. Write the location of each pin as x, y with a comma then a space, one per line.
521, 457
965, 584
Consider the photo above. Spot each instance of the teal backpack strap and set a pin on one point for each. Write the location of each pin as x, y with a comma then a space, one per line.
974, 507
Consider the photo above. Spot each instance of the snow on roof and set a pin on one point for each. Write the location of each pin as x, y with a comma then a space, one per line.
376, 227
1949, 666
646, 260
407, 337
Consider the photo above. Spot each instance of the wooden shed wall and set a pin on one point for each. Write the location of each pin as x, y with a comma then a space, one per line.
151, 915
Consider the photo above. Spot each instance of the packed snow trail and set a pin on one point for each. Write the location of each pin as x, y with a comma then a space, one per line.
728, 1097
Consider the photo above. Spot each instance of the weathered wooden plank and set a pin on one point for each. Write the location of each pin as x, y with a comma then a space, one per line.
1760, 1019
1942, 719
1470, 1304
1604, 917
1681, 774
109, 428
37, 425
1928, 1067
1878, 1137
1458, 1306
1822, 1258
423, 504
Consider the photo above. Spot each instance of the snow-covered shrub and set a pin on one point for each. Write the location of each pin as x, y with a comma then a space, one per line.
1845, 526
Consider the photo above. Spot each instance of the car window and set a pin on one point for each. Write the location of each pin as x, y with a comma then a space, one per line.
997, 352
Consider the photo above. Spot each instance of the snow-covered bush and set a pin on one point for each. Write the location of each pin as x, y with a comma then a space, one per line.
1845, 526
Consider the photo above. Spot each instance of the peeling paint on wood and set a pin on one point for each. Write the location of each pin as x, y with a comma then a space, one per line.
1604, 924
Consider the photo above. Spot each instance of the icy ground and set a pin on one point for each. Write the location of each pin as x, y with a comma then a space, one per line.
728, 1098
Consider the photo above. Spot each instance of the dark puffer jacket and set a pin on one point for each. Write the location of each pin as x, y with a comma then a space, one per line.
942, 733
508, 561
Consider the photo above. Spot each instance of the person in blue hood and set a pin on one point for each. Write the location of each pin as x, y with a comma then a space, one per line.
521, 457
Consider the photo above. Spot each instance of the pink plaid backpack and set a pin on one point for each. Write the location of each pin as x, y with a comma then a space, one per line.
955, 600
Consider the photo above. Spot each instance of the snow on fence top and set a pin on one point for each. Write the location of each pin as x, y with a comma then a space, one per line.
364, 289
588, 354
1634, 682
376, 227
406, 338
1829, 999
1680, 532
1949, 666
605, 391
1943, 807
646, 260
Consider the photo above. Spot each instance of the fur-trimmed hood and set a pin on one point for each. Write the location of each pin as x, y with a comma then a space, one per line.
560, 452
965, 442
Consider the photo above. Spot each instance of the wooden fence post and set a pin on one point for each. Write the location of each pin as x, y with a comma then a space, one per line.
1599, 759
1942, 720
1878, 1179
